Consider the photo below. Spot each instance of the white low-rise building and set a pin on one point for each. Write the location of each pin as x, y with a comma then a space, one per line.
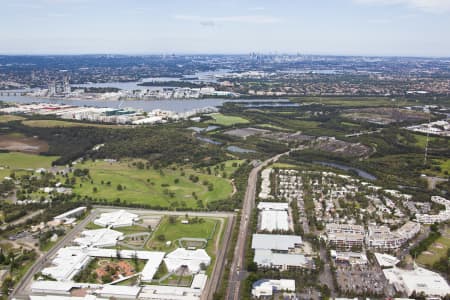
386, 260
279, 251
70, 214
103, 237
419, 280
69, 261
192, 259
265, 184
120, 218
274, 220
352, 258
267, 287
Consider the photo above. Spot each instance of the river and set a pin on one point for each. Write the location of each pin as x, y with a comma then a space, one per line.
360, 172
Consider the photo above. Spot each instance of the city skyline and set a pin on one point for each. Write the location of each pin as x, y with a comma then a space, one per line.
344, 27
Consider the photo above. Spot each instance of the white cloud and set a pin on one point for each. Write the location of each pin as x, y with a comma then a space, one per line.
434, 6
211, 21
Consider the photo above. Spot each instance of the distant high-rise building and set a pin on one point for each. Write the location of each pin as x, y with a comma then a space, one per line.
67, 88
52, 88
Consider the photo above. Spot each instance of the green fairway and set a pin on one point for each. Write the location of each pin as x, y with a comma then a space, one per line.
170, 187
436, 251
224, 120
59, 123
15, 161
10, 118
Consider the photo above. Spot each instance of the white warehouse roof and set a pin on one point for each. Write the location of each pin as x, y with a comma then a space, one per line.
190, 258
273, 206
276, 241
119, 218
103, 237
268, 258
419, 280
70, 260
272, 220
266, 287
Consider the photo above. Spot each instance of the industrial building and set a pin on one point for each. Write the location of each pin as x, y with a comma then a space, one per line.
69, 261
279, 252
273, 216
116, 219
265, 184
267, 287
103, 237
70, 215
192, 259
419, 280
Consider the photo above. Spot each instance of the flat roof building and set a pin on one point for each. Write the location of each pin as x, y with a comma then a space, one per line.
116, 219
277, 242
381, 237
419, 280
71, 213
192, 259
69, 261
103, 237
279, 251
273, 206
266, 287
274, 220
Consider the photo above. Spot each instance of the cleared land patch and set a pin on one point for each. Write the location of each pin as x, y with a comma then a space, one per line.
384, 116
13, 142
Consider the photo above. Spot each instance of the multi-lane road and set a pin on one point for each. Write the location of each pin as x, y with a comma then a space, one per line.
237, 274
22, 289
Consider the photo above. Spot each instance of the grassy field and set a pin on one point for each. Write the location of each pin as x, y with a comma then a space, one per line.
14, 161
444, 167
166, 188
283, 166
174, 231
224, 120
59, 123
10, 118
436, 251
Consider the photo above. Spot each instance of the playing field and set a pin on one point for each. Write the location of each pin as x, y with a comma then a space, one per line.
166, 188
172, 232
224, 120
436, 251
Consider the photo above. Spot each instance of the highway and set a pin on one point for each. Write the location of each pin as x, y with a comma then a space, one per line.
236, 272
22, 289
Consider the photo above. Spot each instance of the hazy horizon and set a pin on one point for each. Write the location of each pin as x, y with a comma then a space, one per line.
407, 28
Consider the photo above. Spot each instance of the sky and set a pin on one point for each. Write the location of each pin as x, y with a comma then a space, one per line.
342, 27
